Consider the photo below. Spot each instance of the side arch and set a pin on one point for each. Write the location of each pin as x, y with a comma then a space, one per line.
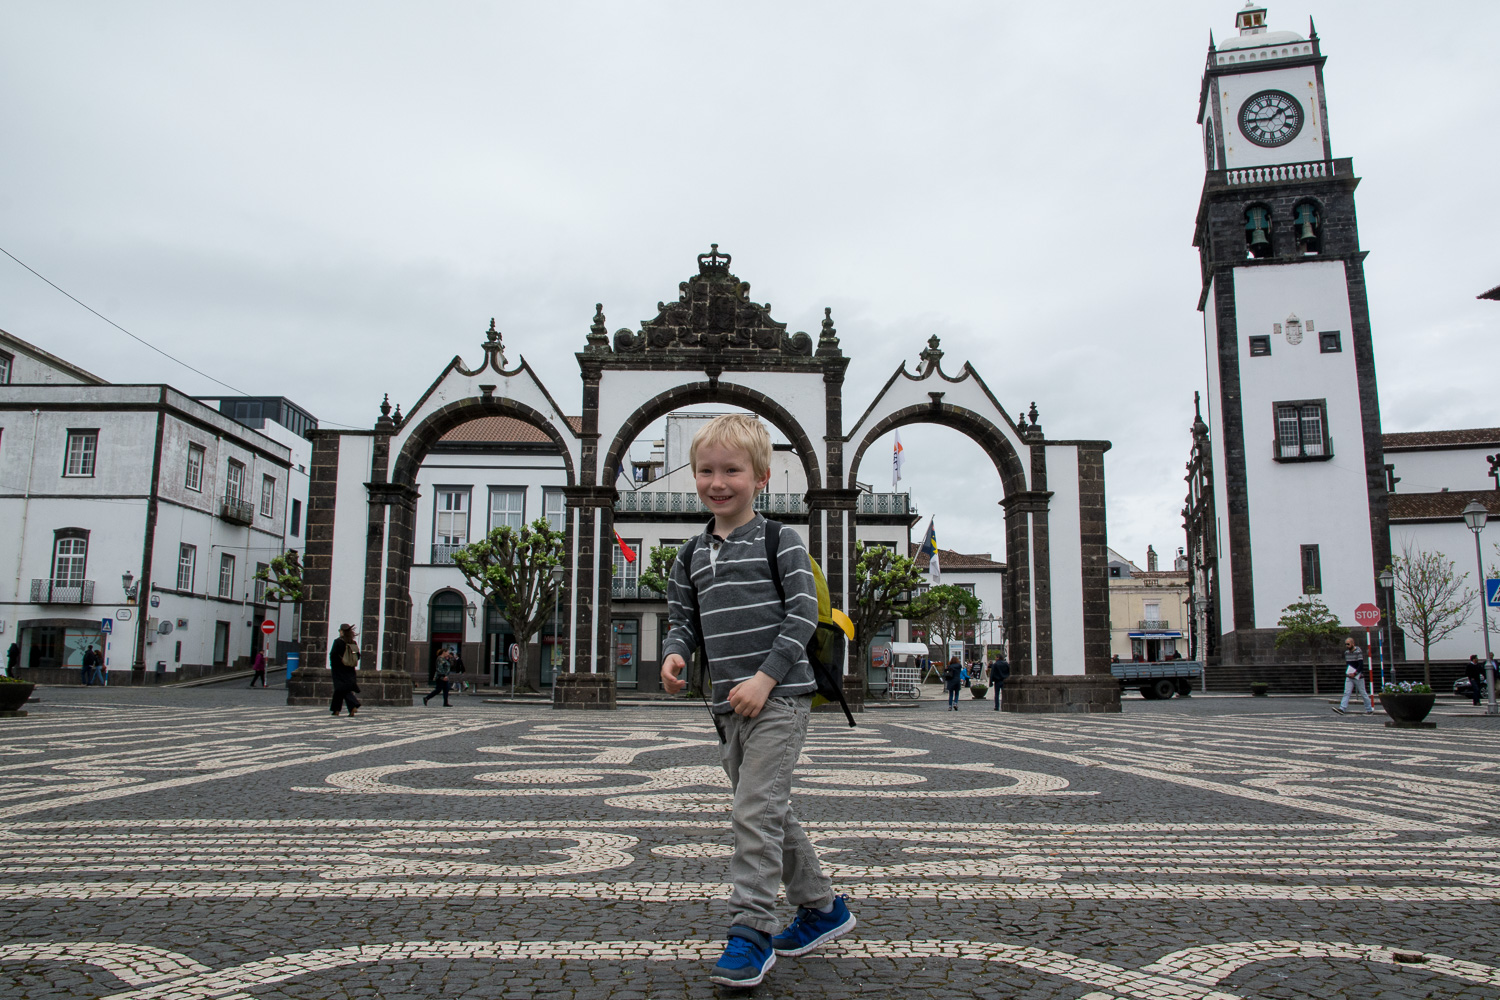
973, 425
727, 393
442, 420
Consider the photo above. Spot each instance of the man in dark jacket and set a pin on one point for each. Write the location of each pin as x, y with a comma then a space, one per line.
13, 659
343, 661
1474, 670
999, 671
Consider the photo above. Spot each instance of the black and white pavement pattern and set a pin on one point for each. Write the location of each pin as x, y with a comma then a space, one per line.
212, 843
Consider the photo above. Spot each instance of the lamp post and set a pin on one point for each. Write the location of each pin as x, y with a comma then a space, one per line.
1475, 514
1388, 580
557, 578
127, 582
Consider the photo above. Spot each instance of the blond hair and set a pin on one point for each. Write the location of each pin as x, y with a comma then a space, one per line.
736, 430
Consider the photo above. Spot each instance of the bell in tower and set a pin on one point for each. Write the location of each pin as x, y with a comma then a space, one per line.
1251, 20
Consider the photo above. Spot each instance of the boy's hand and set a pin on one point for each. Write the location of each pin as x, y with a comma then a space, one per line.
673, 665
747, 698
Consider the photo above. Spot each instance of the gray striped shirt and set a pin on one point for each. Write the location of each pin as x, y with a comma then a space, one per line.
747, 629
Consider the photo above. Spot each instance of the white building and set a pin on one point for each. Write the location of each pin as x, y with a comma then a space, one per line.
101, 481
1299, 494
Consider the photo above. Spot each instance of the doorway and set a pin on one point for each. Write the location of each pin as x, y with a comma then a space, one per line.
446, 631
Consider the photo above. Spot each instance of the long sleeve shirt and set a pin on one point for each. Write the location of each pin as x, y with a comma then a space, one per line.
746, 627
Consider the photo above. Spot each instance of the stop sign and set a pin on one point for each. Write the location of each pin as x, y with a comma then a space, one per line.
268, 626
1367, 615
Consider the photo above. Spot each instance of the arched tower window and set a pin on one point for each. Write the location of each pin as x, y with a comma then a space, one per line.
1307, 223
1208, 143
1258, 231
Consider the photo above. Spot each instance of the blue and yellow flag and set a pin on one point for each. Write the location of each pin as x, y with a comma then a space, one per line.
930, 550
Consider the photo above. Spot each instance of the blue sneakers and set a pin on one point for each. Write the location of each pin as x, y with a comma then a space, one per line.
811, 929
746, 959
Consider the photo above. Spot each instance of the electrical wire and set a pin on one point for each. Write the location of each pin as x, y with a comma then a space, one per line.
140, 340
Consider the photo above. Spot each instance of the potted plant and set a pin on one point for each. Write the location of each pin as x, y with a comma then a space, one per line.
1408, 702
978, 690
1260, 689
13, 694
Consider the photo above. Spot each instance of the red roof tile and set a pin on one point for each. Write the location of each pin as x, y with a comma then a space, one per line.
958, 560
1475, 436
499, 430
1439, 506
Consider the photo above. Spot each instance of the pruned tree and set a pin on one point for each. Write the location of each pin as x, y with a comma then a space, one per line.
655, 574
881, 581
283, 579
946, 612
512, 571
1432, 599
1310, 623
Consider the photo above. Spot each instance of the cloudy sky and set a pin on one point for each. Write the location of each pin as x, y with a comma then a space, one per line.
328, 201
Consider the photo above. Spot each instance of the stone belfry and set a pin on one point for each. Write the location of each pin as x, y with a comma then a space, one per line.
1300, 496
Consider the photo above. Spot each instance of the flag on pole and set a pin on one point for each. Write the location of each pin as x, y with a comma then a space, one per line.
625, 550
930, 549
897, 458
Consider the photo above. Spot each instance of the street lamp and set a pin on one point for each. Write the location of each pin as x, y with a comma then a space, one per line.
557, 578
471, 609
1387, 581
1475, 514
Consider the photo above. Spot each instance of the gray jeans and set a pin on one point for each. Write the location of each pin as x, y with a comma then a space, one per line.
1356, 685
770, 846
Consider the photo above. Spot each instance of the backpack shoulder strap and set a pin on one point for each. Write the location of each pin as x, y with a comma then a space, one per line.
773, 553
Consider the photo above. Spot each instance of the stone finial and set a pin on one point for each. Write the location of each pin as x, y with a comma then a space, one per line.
1200, 429
384, 422
932, 356
713, 262
494, 347
828, 339
396, 417
598, 342
1035, 428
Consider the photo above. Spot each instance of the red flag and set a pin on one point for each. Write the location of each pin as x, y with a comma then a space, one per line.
626, 550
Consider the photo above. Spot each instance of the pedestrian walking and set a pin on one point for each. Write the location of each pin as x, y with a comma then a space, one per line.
440, 678
13, 659
741, 615
96, 670
1474, 670
456, 670
86, 668
343, 660
1354, 678
258, 664
953, 681
999, 674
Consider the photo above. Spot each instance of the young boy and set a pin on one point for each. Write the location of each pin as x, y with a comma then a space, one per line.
762, 695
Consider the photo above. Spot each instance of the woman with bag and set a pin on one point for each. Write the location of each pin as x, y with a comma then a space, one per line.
440, 678
343, 661
952, 680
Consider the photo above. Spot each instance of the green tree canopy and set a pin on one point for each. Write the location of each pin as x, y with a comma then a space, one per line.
947, 612
882, 580
512, 570
1309, 622
659, 567
283, 579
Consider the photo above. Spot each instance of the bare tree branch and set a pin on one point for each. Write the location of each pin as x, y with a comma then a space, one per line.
1432, 598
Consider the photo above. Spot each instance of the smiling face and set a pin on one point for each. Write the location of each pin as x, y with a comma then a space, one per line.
727, 484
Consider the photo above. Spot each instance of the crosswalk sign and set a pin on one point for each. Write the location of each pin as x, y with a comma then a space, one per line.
1492, 593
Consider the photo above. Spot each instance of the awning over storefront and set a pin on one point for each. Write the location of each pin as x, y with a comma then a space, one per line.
1156, 635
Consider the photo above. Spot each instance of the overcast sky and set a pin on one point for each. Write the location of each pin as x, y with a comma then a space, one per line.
328, 201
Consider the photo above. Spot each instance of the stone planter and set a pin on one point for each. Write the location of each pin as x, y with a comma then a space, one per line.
978, 691
1408, 710
13, 696
1260, 689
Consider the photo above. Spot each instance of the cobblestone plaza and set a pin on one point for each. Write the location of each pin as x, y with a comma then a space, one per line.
218, 844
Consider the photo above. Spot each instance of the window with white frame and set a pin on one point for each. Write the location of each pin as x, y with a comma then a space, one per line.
451, 526
507, 507
187, 566
628, 574
1302, 430
267, 495
260, 582
554, 506
226, 575
234, 482
82, 449
7, 363
193, 479
69, 558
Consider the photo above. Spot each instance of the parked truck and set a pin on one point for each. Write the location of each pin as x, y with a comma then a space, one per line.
1159, 680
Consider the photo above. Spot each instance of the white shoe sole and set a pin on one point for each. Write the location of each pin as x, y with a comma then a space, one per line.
820, 940
746, 983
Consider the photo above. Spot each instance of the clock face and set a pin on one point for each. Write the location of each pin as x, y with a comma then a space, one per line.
1271, 118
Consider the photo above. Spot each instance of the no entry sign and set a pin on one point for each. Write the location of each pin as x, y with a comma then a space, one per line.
1367, 615
268, 626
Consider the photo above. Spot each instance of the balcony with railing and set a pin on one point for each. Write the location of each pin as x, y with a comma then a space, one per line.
236, 511
1154, 624
629, 590
666, 502
1282, 173
62, 591
442, 555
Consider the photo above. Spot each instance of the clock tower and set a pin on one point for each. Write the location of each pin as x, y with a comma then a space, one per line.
1299, 504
